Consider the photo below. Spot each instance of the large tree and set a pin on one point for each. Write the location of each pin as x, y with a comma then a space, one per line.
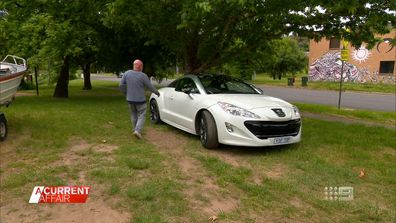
207, 33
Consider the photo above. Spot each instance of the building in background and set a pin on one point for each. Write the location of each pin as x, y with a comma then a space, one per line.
376, 65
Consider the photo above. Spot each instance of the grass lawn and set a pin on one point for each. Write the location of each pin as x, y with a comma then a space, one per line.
384, 118
169, 177
326, 85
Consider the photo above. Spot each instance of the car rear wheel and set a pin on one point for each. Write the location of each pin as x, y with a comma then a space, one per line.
154, 112
3, 127
208, 131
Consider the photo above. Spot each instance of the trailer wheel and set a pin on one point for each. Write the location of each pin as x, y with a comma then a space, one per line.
3, 127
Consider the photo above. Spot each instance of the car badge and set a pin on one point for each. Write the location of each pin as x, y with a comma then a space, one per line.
279, 112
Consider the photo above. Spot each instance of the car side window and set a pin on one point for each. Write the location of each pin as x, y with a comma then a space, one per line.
187, 84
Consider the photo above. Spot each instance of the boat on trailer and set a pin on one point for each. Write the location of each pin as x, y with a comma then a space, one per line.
12, 70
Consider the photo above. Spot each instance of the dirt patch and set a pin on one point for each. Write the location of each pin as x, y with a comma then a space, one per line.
218, 205
72, 156
166, 140
104, 148
201, 191
237, 159
257, 177
94, 210
19, 94
389, 151
231, 158
172, 144
8, 148
296, 202
277, 171
79, 151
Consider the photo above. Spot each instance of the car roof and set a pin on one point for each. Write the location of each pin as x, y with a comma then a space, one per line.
208, 74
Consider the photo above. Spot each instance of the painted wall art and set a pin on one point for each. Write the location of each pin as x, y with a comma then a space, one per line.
328, 68
361, 54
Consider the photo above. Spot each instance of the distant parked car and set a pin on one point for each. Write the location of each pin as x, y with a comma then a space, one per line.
227, 110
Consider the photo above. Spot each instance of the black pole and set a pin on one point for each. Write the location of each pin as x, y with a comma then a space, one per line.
339, 95
35, 75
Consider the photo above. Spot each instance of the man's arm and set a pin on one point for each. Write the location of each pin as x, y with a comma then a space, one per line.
147, 82
123, 86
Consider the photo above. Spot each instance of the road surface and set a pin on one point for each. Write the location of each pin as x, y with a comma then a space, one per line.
368, 101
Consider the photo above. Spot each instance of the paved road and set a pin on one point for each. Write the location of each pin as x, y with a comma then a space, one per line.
368, 101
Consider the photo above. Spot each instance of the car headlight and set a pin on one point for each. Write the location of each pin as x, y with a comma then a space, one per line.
237, 111
296, 111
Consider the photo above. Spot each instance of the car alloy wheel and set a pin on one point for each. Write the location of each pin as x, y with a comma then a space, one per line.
154, 112
208, 131
203, 132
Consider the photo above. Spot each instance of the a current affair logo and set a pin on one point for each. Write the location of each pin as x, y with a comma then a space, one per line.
59, 194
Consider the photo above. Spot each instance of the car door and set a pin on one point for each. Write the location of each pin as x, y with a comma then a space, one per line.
182, 103
167, 112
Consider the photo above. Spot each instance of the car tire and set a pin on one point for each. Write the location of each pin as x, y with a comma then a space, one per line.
154, 112
208, 131
3, 128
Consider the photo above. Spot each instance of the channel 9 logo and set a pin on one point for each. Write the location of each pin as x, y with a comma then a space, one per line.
338, 193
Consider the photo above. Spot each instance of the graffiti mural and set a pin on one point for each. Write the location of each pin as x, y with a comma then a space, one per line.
328, 68
388, 41
361, 54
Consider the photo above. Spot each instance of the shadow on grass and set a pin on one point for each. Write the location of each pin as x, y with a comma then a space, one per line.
233, 150
246, 151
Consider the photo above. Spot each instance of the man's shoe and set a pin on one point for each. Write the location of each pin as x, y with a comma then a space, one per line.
138, 135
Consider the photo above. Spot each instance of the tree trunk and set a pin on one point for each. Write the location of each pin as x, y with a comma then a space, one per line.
191, 62
87, 76
62, 85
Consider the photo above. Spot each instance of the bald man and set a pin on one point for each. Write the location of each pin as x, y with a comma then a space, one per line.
132, 84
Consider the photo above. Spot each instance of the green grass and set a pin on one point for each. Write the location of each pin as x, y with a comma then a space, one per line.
326, 85
331, 154
386, 118
55, 141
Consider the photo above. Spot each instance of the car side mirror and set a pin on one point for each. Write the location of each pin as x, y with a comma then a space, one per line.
187, 90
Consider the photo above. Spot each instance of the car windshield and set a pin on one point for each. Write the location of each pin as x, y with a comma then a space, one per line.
221, 84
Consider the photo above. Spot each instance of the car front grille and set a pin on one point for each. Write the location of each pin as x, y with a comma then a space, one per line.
271, 129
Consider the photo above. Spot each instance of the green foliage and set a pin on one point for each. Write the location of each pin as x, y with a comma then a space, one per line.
26, 85
197, 35
281, 57
207, 34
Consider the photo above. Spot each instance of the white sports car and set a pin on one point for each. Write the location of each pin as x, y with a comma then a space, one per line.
227, 110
